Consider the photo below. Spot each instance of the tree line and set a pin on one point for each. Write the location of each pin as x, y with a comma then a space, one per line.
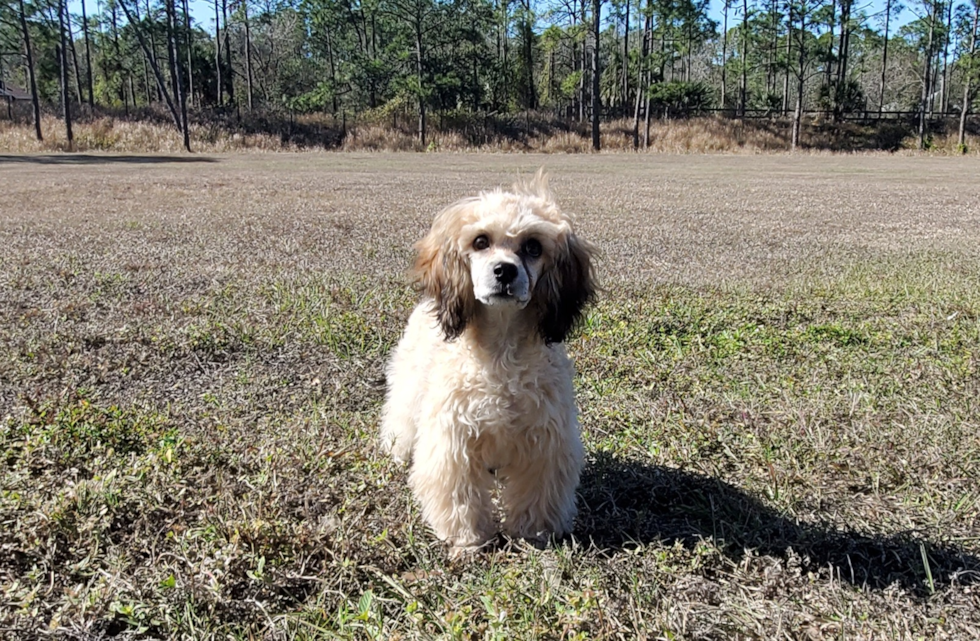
579, 60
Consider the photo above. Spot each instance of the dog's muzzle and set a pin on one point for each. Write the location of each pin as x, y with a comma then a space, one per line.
503, 283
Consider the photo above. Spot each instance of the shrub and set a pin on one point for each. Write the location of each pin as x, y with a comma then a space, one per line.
680, 99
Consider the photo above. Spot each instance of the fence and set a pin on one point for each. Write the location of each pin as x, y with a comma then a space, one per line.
860, 116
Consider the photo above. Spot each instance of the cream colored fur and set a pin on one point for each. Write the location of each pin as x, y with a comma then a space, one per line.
480, 386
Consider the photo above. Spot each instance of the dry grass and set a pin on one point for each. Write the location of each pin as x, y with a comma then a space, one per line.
125, 136
267, 132
778, 395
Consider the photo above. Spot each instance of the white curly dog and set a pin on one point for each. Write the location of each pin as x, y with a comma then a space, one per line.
480, 386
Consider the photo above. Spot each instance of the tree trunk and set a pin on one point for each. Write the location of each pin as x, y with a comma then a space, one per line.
248, 55
840, 93
743, 81
219, 88
552, 88
35, 102
373, 96
646, 115
88, 58
829, 69
647, 76
190, 51
63, 62
690, 48
333, 72
419, 71
636, 111
641, 76
944, 96
724, 54
771, 52
789, 58
596, 106
967, 94
626, 59
797, 118
147, 85
926, 71
574, 104
503, 42
181, 95
104, 40
801, 78
884, 58
663, 57
231, 71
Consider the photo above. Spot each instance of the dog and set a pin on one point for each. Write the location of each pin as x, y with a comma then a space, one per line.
479, 388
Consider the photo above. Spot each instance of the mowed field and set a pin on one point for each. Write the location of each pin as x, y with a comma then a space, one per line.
778, 392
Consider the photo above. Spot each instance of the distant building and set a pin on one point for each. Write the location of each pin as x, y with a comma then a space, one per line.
11, 94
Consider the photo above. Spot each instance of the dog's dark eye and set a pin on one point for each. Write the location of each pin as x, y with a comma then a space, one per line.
532, 247
481, 243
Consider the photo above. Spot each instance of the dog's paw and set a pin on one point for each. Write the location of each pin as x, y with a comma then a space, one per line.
402, 459
400, 451
465, 542
457, 551
537, 540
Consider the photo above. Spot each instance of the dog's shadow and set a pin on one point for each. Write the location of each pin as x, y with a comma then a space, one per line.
624, 503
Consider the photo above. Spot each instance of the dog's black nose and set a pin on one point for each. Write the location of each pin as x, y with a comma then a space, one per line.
505, 272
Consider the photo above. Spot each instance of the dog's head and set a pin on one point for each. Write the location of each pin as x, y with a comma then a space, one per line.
514, 249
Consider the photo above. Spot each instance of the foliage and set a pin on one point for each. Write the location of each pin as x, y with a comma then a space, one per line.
680, 99
847, 96
354, 56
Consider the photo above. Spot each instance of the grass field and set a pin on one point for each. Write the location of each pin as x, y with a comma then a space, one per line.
778, 390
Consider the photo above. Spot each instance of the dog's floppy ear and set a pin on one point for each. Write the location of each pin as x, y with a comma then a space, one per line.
443, 273
569, 285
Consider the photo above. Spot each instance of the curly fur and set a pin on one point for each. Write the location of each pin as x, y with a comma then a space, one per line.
479, 386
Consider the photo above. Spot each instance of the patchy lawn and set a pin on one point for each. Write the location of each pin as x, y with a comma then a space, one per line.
778, 394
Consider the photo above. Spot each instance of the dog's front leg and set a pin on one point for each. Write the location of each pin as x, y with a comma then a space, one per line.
538, 498
452, 488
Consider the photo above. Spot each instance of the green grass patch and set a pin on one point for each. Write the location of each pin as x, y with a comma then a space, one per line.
75, 431
219, 478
